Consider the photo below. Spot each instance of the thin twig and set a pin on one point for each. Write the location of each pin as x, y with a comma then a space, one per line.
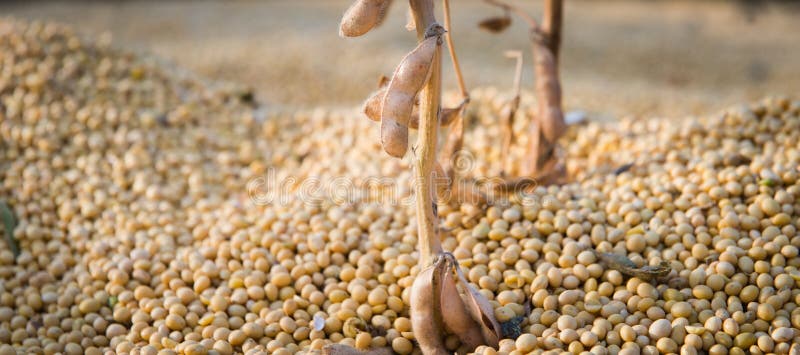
508, 114
455, 136
521, 13
518, 73
429, 102
448, 36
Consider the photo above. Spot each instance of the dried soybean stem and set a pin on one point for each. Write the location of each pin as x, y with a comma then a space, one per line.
448, 36
517, 72
548, 125
425, 156
455, 136
507, 119
553, 18
521, 13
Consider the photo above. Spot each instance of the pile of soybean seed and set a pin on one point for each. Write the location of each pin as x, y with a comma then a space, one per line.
144, 228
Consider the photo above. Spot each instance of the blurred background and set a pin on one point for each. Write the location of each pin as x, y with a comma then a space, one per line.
628, 57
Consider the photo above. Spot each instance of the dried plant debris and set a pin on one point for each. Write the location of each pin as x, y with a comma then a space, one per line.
354, 325
512, 328
627, 267
9, 224
736, 159
495, 24
623, 168
341, 349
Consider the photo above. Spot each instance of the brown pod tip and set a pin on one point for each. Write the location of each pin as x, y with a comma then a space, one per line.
394, 137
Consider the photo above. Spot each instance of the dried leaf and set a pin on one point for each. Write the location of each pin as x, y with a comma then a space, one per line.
495, 24
736, 159
623, 168
481, 310
352, 326
627, 267
341, 349
512, 328
9, 224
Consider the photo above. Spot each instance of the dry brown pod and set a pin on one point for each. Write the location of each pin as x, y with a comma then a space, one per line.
408, 79
495, 24
398, 102
456, 317
372, 107
426, 321
363, 16
481, 310
394, 138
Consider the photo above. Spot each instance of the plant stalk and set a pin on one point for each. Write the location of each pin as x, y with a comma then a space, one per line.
448, 36
548, 125
552, 23
455, 136
425, 151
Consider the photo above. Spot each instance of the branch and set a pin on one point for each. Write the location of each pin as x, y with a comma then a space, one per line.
448, 36
551, 26
508, 113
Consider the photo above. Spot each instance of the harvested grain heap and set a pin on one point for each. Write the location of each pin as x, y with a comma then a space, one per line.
130, 183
